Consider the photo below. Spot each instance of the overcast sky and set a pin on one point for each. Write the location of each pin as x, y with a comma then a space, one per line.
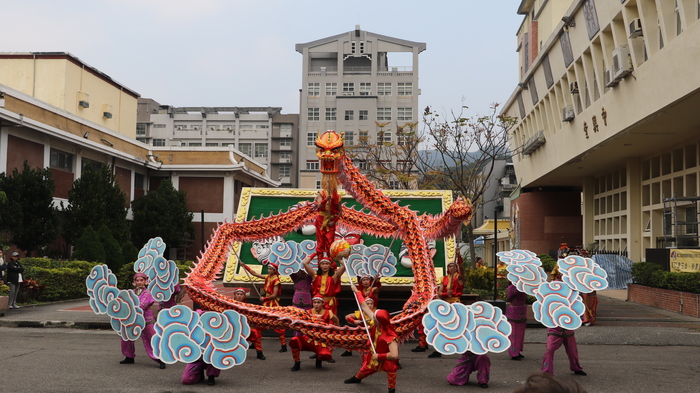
241, 53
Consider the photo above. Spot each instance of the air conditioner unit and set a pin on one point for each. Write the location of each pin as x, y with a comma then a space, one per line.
229, 128
568, 113
212, 128
534, 143
573, 87
179, 128
609, 78
622, 62
636, 28
196, 128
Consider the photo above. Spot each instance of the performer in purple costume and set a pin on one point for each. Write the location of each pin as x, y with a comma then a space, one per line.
517, 317
558, 336
555, 338
467, 364
196, 371
302, 293
145, 302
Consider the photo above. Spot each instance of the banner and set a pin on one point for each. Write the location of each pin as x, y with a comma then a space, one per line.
685, 260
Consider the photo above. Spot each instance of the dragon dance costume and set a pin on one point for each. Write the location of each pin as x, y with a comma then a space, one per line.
468, 363
145, 302
272, 281
325, 286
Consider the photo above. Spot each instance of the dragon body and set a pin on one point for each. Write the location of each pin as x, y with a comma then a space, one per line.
386, 219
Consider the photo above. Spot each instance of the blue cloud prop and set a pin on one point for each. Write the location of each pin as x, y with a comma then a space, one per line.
101, 288
582, 274
491, 329
558, 305
288, 255
371, 260
178, 335
126, 317
448, 326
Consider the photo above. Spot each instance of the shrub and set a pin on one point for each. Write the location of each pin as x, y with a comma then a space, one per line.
548, 263
653, 275
4, 290
113, 251
89, 247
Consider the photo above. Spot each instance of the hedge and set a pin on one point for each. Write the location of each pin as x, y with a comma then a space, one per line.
65, 280
653, 275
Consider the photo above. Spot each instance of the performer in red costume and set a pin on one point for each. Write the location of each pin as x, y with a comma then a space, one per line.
383, 339
255, 336
305, 343
326, 281
273, 291
450, 290
326, 219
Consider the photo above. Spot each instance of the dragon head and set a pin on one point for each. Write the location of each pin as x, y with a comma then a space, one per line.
329, 150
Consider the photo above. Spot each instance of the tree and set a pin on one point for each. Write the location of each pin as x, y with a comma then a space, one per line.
89, 248
388, 162
113, 251
28, 213
162, 212
96, 200
463, 154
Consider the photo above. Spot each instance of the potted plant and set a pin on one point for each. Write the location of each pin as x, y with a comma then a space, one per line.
4, 298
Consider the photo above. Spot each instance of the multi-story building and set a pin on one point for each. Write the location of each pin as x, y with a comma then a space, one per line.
260, 133
58, 112
351, 83
606, 128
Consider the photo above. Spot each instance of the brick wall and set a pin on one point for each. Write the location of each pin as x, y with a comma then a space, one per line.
681, 302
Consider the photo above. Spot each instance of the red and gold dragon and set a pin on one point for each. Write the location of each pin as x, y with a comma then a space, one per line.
386, 219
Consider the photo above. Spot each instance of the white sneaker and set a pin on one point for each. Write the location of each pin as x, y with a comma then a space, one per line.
10, 306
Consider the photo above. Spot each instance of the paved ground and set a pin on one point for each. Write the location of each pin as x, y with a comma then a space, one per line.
632, 348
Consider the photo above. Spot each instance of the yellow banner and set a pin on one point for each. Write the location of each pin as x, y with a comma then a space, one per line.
685, 260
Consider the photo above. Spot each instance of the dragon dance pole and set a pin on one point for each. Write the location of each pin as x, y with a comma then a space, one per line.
238, 259
362, 313
386, 256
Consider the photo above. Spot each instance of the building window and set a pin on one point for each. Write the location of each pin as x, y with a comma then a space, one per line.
363, 165
331, 89
318, 184
141, 129
285, 155
285, 128
312, 165
383, 114
330, 114
212, 144
404, 114
246, 127
285, 142
310, 139
394, 185
402, 139
245, 148
348, 88
228, 144
138, 181
349, 115
158, 142
261, 150
195, 144
384, 89
364, 115
262, 126
365, 88
349, 138
314, 114
384, 136
61, 160
142, 140
404, 89
285, 170
159, 126
313, 89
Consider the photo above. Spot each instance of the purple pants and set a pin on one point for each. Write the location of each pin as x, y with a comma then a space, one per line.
555, 338
193, 372
468, 363
129, 349
517, 338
